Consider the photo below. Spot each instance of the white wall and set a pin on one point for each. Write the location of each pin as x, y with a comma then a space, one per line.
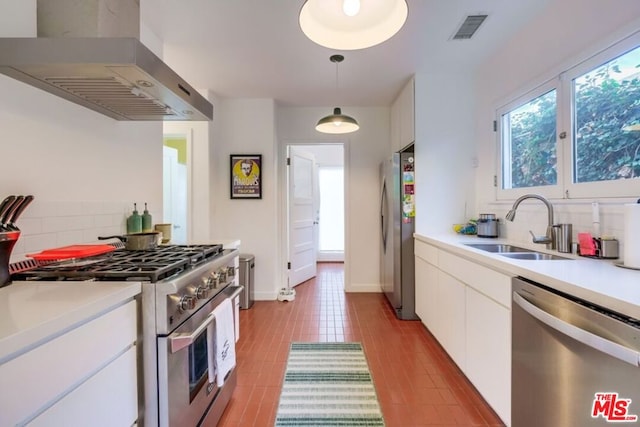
247, 126
444, 150
18, 19
85, 170
567, 32
365, 150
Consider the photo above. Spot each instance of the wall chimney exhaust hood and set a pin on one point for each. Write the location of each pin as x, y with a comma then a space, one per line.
89, 53
118, 77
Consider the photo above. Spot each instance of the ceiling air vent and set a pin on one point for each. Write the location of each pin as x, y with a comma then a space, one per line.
469, 27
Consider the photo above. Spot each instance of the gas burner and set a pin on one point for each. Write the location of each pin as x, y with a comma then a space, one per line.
152, 265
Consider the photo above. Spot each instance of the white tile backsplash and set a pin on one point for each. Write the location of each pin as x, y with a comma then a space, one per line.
51, 224
533, 216
66, 222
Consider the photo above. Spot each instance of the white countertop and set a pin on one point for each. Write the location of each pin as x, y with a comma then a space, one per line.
34, 312
595, 280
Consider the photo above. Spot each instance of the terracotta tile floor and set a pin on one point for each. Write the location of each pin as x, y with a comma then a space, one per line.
416, 382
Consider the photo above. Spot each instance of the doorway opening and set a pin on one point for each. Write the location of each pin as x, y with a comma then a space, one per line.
175, 185
331, 213
315, 208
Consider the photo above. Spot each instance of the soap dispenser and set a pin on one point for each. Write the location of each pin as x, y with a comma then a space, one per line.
134, 222
147, 226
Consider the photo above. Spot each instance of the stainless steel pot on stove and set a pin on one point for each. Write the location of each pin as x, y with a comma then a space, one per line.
138, 241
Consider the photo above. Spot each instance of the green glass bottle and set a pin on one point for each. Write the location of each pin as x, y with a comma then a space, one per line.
134, 222
147, 225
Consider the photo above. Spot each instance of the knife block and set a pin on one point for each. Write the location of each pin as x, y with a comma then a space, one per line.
8, 240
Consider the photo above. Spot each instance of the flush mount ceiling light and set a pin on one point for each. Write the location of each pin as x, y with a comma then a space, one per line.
352, 24
337, 122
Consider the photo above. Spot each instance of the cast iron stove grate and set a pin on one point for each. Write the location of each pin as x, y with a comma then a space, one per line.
153, 265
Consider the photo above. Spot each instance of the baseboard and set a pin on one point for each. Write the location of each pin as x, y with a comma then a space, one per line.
330, 257
363, 287
266, 296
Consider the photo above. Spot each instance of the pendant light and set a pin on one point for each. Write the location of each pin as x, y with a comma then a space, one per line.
352, 24
337, 122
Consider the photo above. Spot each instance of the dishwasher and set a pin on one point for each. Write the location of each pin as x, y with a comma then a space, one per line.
574, 364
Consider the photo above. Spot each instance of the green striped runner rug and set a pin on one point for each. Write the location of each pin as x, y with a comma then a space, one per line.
328, 384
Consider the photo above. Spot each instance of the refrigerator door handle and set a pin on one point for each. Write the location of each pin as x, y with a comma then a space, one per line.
383, 217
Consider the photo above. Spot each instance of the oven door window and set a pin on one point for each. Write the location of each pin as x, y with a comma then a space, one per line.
198, 369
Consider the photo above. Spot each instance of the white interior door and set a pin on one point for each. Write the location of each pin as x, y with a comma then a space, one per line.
175, 195
302, 214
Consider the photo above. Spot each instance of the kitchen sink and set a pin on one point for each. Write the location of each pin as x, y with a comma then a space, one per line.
533, 256
514, 252
497, 247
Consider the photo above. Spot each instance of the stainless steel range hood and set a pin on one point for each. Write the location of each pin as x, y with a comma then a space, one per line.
118, 77
89, 53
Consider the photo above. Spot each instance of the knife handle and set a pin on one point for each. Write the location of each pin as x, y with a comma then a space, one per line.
11, 209
18, 211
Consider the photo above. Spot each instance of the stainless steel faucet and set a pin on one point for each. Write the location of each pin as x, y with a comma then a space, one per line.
546, 239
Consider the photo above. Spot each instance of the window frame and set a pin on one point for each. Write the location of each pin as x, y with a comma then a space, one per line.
601, 189
548, 191
563, 83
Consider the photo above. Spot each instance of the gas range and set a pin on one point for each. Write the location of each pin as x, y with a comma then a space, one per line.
181, 287
184, 277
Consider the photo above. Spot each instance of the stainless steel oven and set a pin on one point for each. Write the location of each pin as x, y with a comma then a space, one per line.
185, 361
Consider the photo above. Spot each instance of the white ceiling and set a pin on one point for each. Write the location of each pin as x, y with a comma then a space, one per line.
255, 48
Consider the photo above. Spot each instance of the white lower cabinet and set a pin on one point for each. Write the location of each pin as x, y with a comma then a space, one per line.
466, 307
107, 399
488, 346
86, 376
426, 291
451, 306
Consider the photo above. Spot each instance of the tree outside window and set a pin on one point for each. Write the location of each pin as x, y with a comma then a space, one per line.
607, 121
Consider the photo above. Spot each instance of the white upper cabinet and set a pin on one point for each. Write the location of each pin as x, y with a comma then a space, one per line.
403, 118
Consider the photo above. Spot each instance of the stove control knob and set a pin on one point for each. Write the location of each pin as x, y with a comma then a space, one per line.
213, 280
187, 302
231, 271
222, 275
202, 292
207, 282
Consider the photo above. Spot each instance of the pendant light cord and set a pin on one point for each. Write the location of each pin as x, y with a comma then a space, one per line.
336, 59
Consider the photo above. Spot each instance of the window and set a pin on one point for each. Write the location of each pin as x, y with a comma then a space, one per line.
577, 135
606, 109
529, 138
331, 230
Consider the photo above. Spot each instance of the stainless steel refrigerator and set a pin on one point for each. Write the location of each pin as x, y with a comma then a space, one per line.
397, 224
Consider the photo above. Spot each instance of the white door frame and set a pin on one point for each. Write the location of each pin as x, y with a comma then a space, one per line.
198, 175
179, 130
282, 165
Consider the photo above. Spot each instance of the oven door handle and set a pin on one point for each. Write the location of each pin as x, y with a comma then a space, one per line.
234, 291
179, 341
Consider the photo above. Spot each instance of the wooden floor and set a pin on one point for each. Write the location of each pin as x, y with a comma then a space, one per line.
416, 382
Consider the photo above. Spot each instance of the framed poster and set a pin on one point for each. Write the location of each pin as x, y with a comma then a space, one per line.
246, 176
